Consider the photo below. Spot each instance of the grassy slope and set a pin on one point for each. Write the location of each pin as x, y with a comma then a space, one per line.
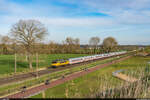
7, 62
85, 85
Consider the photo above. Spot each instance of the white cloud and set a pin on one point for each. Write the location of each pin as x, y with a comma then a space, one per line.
76, 22
117, 4
63, 22
12, 8
122, 13
146, 13
132, 17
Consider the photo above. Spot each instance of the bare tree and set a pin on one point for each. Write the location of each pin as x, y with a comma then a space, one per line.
94, 42
147, 50
52, 46
73, 45
77, 45
109, 44
28, 32
69, 43
69, 40
6, 41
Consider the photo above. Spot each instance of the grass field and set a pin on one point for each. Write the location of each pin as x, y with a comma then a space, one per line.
136, 66
96, 81
7, 62
16, 86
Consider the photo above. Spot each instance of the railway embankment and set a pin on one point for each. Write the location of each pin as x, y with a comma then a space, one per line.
31, 75
60, 81
16, 87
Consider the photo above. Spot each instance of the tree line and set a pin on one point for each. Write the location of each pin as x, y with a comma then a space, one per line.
26, 37
69, 45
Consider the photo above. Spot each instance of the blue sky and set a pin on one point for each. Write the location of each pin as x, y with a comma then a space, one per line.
126, 20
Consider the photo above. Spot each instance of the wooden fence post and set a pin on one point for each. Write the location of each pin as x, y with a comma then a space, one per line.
36, 65
15, 63
43, 94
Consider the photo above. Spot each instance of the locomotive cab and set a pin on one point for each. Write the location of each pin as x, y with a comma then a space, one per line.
60, 62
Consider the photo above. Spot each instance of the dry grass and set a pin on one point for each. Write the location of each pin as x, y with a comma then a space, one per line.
138, 89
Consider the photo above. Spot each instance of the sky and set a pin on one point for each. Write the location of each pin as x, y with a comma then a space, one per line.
126, 20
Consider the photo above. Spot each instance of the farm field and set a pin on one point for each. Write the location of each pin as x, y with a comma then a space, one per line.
96, 81
7, 62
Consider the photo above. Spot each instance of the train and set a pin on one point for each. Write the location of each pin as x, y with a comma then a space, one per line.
70, 61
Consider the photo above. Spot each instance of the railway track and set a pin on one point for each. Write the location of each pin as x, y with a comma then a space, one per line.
42, 87
22, 77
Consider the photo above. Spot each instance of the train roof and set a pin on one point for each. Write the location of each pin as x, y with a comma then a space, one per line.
98, 55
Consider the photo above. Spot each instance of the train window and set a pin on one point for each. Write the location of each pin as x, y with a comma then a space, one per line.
76, 59
54, 61
63, 61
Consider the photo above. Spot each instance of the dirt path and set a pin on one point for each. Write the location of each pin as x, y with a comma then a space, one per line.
125, 77
37, 89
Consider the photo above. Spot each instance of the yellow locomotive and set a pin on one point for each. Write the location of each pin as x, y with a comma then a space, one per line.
60, 62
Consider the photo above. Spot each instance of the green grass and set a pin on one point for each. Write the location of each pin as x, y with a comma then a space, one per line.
7, 62
88, 84
136, 65
14, 87
82, 86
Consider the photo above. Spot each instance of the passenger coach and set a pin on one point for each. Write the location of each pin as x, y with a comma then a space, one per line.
71, 61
